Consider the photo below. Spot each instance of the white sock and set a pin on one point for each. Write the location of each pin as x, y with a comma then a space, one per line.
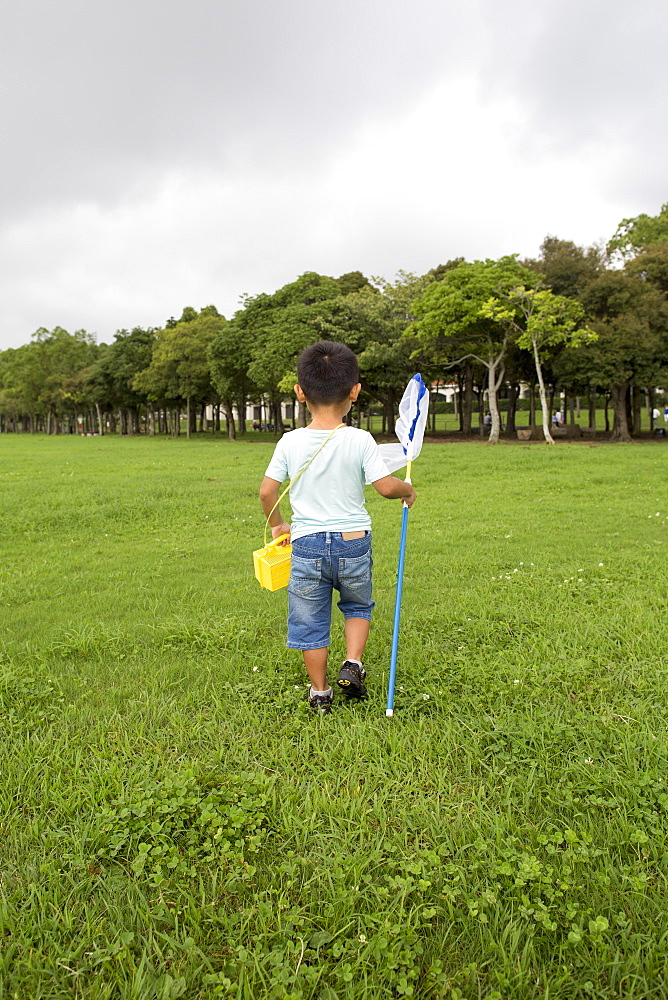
349, 659
326, 691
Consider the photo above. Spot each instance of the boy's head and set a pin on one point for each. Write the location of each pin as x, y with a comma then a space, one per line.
327, 372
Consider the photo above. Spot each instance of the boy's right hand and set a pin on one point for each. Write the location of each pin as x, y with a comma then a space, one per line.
281, 529
411, 498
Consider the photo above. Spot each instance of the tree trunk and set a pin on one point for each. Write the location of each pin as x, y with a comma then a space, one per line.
388, 412
620, 427
241, 413
467, 402
637, 411
592, 411
513, 395
650, 409
543, 396
571, 409
496, 372
607, 418
279, 426
532, 405
459, 407
229, 419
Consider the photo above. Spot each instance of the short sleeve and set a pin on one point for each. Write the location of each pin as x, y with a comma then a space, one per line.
278, 466
373, 464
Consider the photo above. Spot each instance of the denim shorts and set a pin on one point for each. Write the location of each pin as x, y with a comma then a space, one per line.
321, 563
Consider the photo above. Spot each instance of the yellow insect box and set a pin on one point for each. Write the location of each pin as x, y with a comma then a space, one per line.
272, 564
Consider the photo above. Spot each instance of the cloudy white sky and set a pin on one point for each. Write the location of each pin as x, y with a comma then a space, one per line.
160, 154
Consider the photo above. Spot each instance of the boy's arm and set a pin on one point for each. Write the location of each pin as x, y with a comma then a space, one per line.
395, 489
268, 496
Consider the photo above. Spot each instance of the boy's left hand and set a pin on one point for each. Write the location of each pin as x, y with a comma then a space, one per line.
281, 529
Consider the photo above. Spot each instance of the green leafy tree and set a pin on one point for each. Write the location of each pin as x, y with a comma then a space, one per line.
112, 376
353, 281
452, 319
278, 327
630, 317
651, 265
564, 267
637, 234
539, 319
179, 371
22, 380
388, 355
230, 354
62, 355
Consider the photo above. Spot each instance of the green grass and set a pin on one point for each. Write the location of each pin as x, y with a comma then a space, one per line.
175, 824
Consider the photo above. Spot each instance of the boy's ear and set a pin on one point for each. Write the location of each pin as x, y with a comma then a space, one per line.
355, 391
299, 393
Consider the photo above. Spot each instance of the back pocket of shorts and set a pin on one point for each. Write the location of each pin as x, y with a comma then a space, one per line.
305, 575
355, 571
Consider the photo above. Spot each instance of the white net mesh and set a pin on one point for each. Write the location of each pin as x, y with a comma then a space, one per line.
410, 426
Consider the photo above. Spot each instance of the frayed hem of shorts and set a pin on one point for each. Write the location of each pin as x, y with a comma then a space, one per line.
314, 645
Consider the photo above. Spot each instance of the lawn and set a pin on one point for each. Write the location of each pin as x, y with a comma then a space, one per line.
174, 822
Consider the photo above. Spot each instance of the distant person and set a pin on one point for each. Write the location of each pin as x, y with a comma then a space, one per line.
331, 528
487, 421
665, 414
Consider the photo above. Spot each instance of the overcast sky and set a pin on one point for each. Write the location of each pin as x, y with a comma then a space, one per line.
160, 154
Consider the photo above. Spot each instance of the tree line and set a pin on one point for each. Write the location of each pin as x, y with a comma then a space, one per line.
581, 321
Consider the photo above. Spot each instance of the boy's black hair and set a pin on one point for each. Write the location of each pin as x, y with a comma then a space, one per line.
327, 371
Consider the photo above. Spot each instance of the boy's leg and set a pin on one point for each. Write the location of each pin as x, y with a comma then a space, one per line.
354, 585
309, 613
315, 661
357, 633
352, 673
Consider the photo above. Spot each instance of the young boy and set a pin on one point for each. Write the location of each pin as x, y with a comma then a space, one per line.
331, 529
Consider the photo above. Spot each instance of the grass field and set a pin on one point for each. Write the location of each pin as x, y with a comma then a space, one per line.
448, 423
175, 824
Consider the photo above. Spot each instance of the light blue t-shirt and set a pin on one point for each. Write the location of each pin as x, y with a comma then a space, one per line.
329, 496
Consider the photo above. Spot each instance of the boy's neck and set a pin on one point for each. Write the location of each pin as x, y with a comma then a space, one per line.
326, 418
